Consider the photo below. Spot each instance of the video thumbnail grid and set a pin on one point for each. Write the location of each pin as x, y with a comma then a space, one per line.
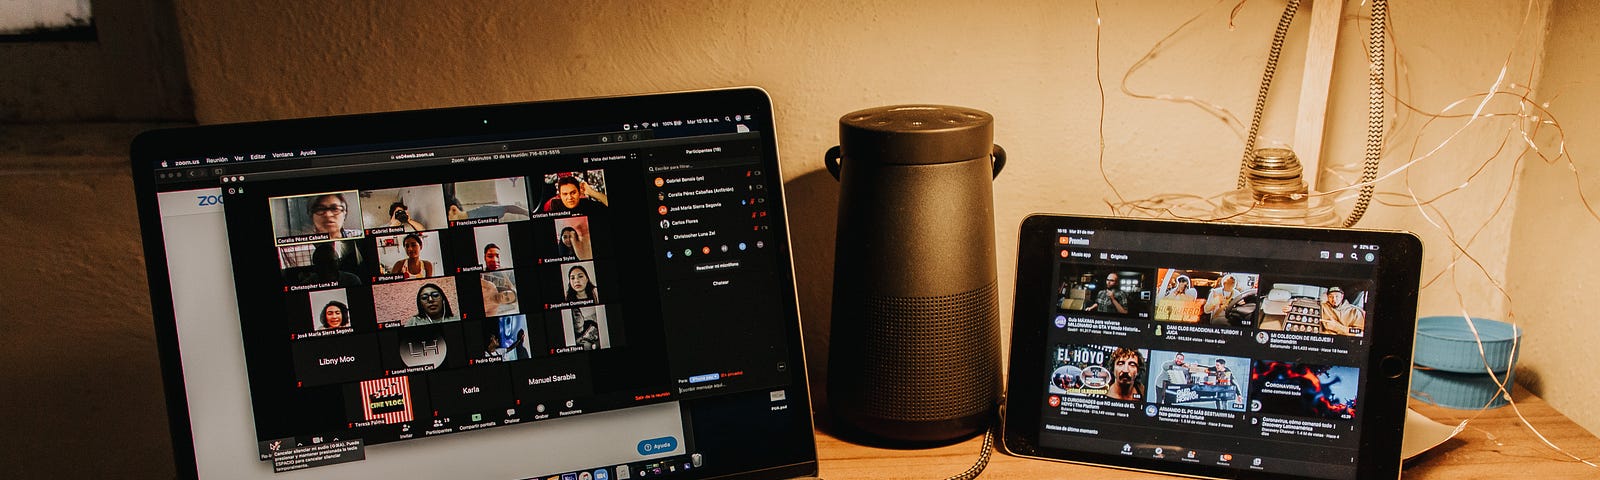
1246, 300
429, 298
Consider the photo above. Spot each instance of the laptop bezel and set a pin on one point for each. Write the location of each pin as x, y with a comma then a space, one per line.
460, 124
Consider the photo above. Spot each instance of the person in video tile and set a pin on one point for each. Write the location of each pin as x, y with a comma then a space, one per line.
588, 334
1110, 299
327, 214
510, 340
413, 266
325, 267
579, 286
499, 293
491, 257
1125, 365
1339, 317
1182, 288
399, 216
1221, 371
569, 235
575, 195
334, 315
432, 307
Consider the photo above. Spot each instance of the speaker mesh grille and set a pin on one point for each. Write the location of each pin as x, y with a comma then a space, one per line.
932, 358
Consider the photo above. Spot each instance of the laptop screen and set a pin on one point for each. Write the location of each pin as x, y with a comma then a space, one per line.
587, 289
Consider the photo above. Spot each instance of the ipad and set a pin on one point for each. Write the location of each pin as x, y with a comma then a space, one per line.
586, 289
1212, 350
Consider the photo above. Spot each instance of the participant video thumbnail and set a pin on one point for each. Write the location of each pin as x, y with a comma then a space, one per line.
415, 302
387, 400
1325, 308
482, 390
1305, 390
507, 339
330, 310
582, 193
335, 359
548, 384
1177, 299
411, 255
578, 283
1198, 380
315, 217
499, 293
1117, 292
1232, 300
407, 209
338, 262
1204, 296
572, 238
494, 247
502, 200
1099, 371
584, 328
422, 348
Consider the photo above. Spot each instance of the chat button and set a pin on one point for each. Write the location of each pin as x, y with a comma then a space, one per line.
656, 446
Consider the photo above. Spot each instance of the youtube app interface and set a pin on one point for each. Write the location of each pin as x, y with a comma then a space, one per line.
619, 306
1185, 348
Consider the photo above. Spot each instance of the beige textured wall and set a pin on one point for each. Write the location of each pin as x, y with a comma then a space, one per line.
80, 393
1031, 64
1552, 250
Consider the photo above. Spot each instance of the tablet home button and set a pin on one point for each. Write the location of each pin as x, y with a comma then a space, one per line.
1393, 366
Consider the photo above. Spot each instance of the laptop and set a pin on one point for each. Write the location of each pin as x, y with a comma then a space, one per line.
589, 289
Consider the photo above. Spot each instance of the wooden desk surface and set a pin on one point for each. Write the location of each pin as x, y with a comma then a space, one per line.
1494, 445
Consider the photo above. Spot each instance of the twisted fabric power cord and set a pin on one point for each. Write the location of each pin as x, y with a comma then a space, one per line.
1374, 149
1273, 52
1369, 168
983, 458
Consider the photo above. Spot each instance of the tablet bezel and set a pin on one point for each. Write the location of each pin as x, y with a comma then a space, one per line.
1384, 399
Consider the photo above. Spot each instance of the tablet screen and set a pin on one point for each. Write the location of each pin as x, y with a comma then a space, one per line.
1208, 350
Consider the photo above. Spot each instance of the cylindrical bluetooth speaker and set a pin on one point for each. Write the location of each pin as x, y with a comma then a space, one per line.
914, 355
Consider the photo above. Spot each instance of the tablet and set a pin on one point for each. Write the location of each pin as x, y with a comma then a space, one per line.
1212, 350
